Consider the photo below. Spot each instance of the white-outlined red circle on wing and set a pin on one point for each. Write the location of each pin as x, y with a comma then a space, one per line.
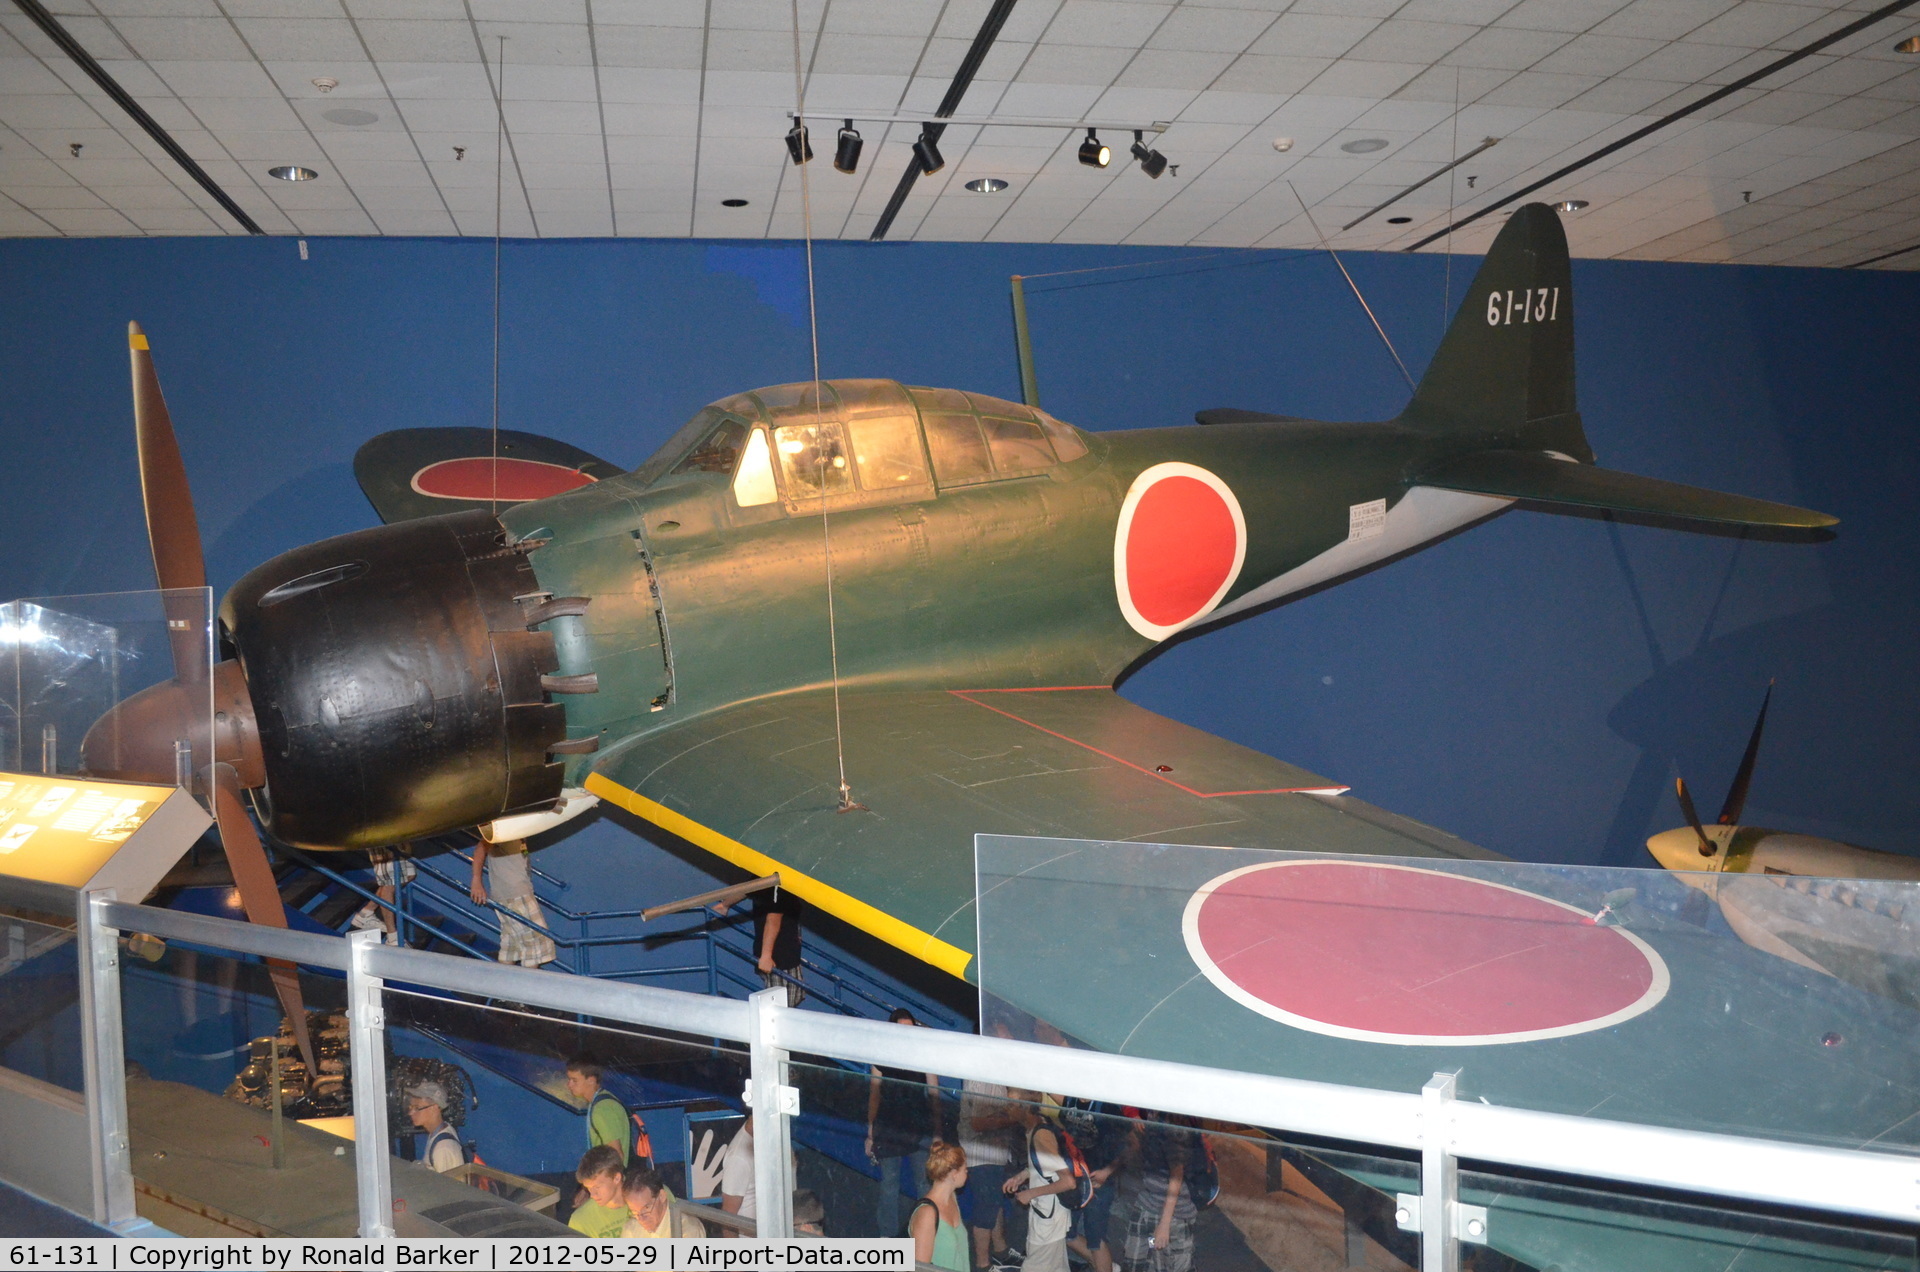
1395, 954
1178, 547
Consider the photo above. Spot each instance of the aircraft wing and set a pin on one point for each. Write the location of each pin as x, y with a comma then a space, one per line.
758, 784
423, 472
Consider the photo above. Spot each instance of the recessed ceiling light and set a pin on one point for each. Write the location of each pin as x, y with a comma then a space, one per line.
351, 117
987, 185
1364, 145
733, 203
1399, 220
1909, 45
292, 172
1570, 205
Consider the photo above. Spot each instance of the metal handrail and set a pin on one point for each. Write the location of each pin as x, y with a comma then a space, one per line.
1849, 1181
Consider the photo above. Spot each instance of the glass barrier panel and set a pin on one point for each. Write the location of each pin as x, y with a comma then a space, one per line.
39, 998
67, 661
526, 1098
1765, 1003
231, 1132
1042, 1180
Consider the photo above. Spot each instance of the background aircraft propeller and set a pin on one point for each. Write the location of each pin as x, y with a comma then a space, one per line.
1737, 793
150, 727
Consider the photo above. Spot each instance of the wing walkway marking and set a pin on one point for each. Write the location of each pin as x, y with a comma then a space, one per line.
967, 695
868, 918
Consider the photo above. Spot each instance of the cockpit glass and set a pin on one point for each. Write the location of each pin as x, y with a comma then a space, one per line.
959, 455
887, 450
813, 460
718, 453
1066, 442
1017, 445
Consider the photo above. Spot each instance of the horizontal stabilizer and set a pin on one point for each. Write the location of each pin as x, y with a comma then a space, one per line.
1234, 415
1541, 478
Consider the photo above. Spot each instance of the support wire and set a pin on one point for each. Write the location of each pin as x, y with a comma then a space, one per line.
499, 169
847, 803
1404, 374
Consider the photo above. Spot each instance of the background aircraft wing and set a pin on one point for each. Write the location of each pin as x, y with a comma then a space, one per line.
758, 784
423, 472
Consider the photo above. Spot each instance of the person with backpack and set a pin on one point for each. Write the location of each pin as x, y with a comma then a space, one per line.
1104, 1136
939, 1235
1160, 1207
427, 1109
1042, 1187
608, 1121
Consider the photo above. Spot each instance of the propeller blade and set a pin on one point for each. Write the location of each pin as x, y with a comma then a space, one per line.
1693, 818
259, 894
172, 530
1737, 793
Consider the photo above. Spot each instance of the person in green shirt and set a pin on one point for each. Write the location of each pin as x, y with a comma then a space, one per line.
608, 1121
604, 1211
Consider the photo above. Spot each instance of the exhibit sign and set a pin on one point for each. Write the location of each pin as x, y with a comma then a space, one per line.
86, 833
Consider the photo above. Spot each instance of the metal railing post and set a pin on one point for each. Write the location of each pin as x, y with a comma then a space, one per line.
366, 1052
773, 1102
104, 1061
1439, 1176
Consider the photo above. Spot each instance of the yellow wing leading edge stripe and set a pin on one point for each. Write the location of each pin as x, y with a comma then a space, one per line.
922, 945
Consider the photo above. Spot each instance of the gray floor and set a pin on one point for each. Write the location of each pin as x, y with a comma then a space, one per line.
22, 1215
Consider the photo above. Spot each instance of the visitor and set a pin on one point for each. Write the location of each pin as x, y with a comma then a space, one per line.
809, 1216
939, 1235
392, 866
608, 1121
603, 1211
736, 1175
776, 941
1039, 1186
503, 867
903, 1116
427, 1110
987, 1132
650, 1214
1160, 1214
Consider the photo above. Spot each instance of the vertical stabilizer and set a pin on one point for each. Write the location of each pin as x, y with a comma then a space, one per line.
1504, 372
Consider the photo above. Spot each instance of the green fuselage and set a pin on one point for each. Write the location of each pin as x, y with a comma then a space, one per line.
1007, 583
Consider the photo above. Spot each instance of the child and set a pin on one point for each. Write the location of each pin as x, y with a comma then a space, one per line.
426, 1109
1038, 1188
604, 1212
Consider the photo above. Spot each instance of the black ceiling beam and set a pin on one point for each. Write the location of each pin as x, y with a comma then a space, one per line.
962, 80
123, 99
1719, 94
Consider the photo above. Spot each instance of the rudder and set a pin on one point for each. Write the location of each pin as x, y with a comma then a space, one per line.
1504, 371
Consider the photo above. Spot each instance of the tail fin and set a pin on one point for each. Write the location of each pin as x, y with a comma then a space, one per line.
1502, 386
1505, 368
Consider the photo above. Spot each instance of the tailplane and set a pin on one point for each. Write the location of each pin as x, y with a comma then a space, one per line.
1502, 385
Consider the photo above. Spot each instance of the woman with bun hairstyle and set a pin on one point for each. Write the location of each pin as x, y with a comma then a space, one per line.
939, 1234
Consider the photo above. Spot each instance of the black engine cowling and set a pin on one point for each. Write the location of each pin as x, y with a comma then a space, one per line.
395, 683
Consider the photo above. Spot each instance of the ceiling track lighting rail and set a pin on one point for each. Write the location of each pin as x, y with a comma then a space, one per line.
988, 121
79, 56
1720, 94
1485, 145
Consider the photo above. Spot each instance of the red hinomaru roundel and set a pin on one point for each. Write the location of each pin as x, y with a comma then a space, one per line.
513, 481
1178, 548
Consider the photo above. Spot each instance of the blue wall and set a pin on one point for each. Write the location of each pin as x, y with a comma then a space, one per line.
1530, 685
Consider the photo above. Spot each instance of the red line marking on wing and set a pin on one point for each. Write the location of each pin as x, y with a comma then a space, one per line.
967, 695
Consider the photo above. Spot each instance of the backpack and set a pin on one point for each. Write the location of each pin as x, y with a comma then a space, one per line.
642, 1150
1203, 1174
1077, 1197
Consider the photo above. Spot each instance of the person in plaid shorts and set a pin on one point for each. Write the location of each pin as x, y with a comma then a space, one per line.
1160, 1214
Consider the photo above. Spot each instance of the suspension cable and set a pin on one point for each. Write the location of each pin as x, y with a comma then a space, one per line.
847, 803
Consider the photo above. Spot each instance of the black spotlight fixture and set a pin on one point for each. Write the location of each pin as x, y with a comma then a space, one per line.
927, 153
1152, 162
846, 154
1094, 152
799, 145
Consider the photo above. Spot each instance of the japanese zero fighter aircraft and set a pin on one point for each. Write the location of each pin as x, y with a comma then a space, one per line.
660, 638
